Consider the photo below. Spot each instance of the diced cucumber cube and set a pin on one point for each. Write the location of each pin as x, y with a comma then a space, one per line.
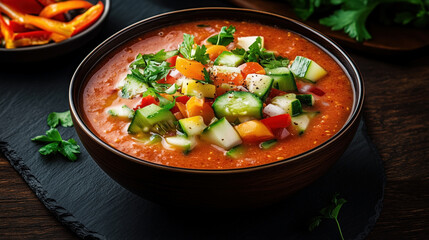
229, 59
288, 103
259, 84
121, 111
308, 69
222, 134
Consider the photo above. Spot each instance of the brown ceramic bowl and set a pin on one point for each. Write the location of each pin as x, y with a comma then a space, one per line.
235, 188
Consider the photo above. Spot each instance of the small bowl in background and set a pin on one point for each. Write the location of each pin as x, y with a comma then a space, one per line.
51, 50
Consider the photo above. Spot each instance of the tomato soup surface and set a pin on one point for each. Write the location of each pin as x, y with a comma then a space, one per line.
100, 93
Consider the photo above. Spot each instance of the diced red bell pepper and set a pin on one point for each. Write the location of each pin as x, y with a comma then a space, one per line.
275, 92
182, 99
251, 67
168, 79
24, 6
46, 2
31, 38
279, 121
18, 27
87, 18
172, 61
146, 101
55, 9
317, 91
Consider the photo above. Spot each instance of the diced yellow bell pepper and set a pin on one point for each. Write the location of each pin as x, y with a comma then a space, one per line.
195, 88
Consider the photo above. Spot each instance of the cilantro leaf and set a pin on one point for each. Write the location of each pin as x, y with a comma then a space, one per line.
201, 55
239, 51
155, 71
225, 36
49, 148
352, 21
143, 60
68, 148
275, 62
329, 212
186, 47
63, 118
207, 79
254, 52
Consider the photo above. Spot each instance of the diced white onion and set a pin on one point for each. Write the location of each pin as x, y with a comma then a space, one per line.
273, 110
282, 134
305, 88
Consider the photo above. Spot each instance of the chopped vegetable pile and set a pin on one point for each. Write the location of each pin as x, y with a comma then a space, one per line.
230, 93
37, 22
352, 15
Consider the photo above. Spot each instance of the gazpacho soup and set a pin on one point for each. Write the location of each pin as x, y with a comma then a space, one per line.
217, 94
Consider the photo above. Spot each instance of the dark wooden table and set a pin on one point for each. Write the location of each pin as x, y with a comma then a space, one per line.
397, 115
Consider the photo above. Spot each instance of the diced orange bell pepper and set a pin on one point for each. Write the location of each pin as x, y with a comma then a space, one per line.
254, 131
7, 33
215, 50
251, 67
194, 106
207, 113
182, 109
190, 68
86, 19
62, 7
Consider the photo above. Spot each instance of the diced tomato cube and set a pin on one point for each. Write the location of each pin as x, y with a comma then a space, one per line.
172, 61
317, 91
279, 121
251, 67
146, 101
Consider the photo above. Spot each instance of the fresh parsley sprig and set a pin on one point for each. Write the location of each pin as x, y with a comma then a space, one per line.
207, 79
258, 54
329, 212
186, 48
62, 118
225, 36
68, 148
351, 15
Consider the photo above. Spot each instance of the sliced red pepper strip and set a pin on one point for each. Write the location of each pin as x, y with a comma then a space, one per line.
46, 2
24, 6
279, 121
40, 22
146, 101
31, 38
7, 33
61, 7
87, 18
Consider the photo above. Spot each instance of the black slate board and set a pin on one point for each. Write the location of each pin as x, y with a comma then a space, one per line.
92, 205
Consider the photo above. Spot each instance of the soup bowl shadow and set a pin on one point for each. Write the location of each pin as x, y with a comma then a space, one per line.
242, 188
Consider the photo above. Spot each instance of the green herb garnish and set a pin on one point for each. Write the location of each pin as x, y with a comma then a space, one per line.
62, 118
329, 212
206, 77
199, 54
143, 60
186, 47
351, 15
225, 36
68, 148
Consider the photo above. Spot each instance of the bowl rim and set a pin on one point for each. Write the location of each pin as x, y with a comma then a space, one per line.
359, 92
80, 35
